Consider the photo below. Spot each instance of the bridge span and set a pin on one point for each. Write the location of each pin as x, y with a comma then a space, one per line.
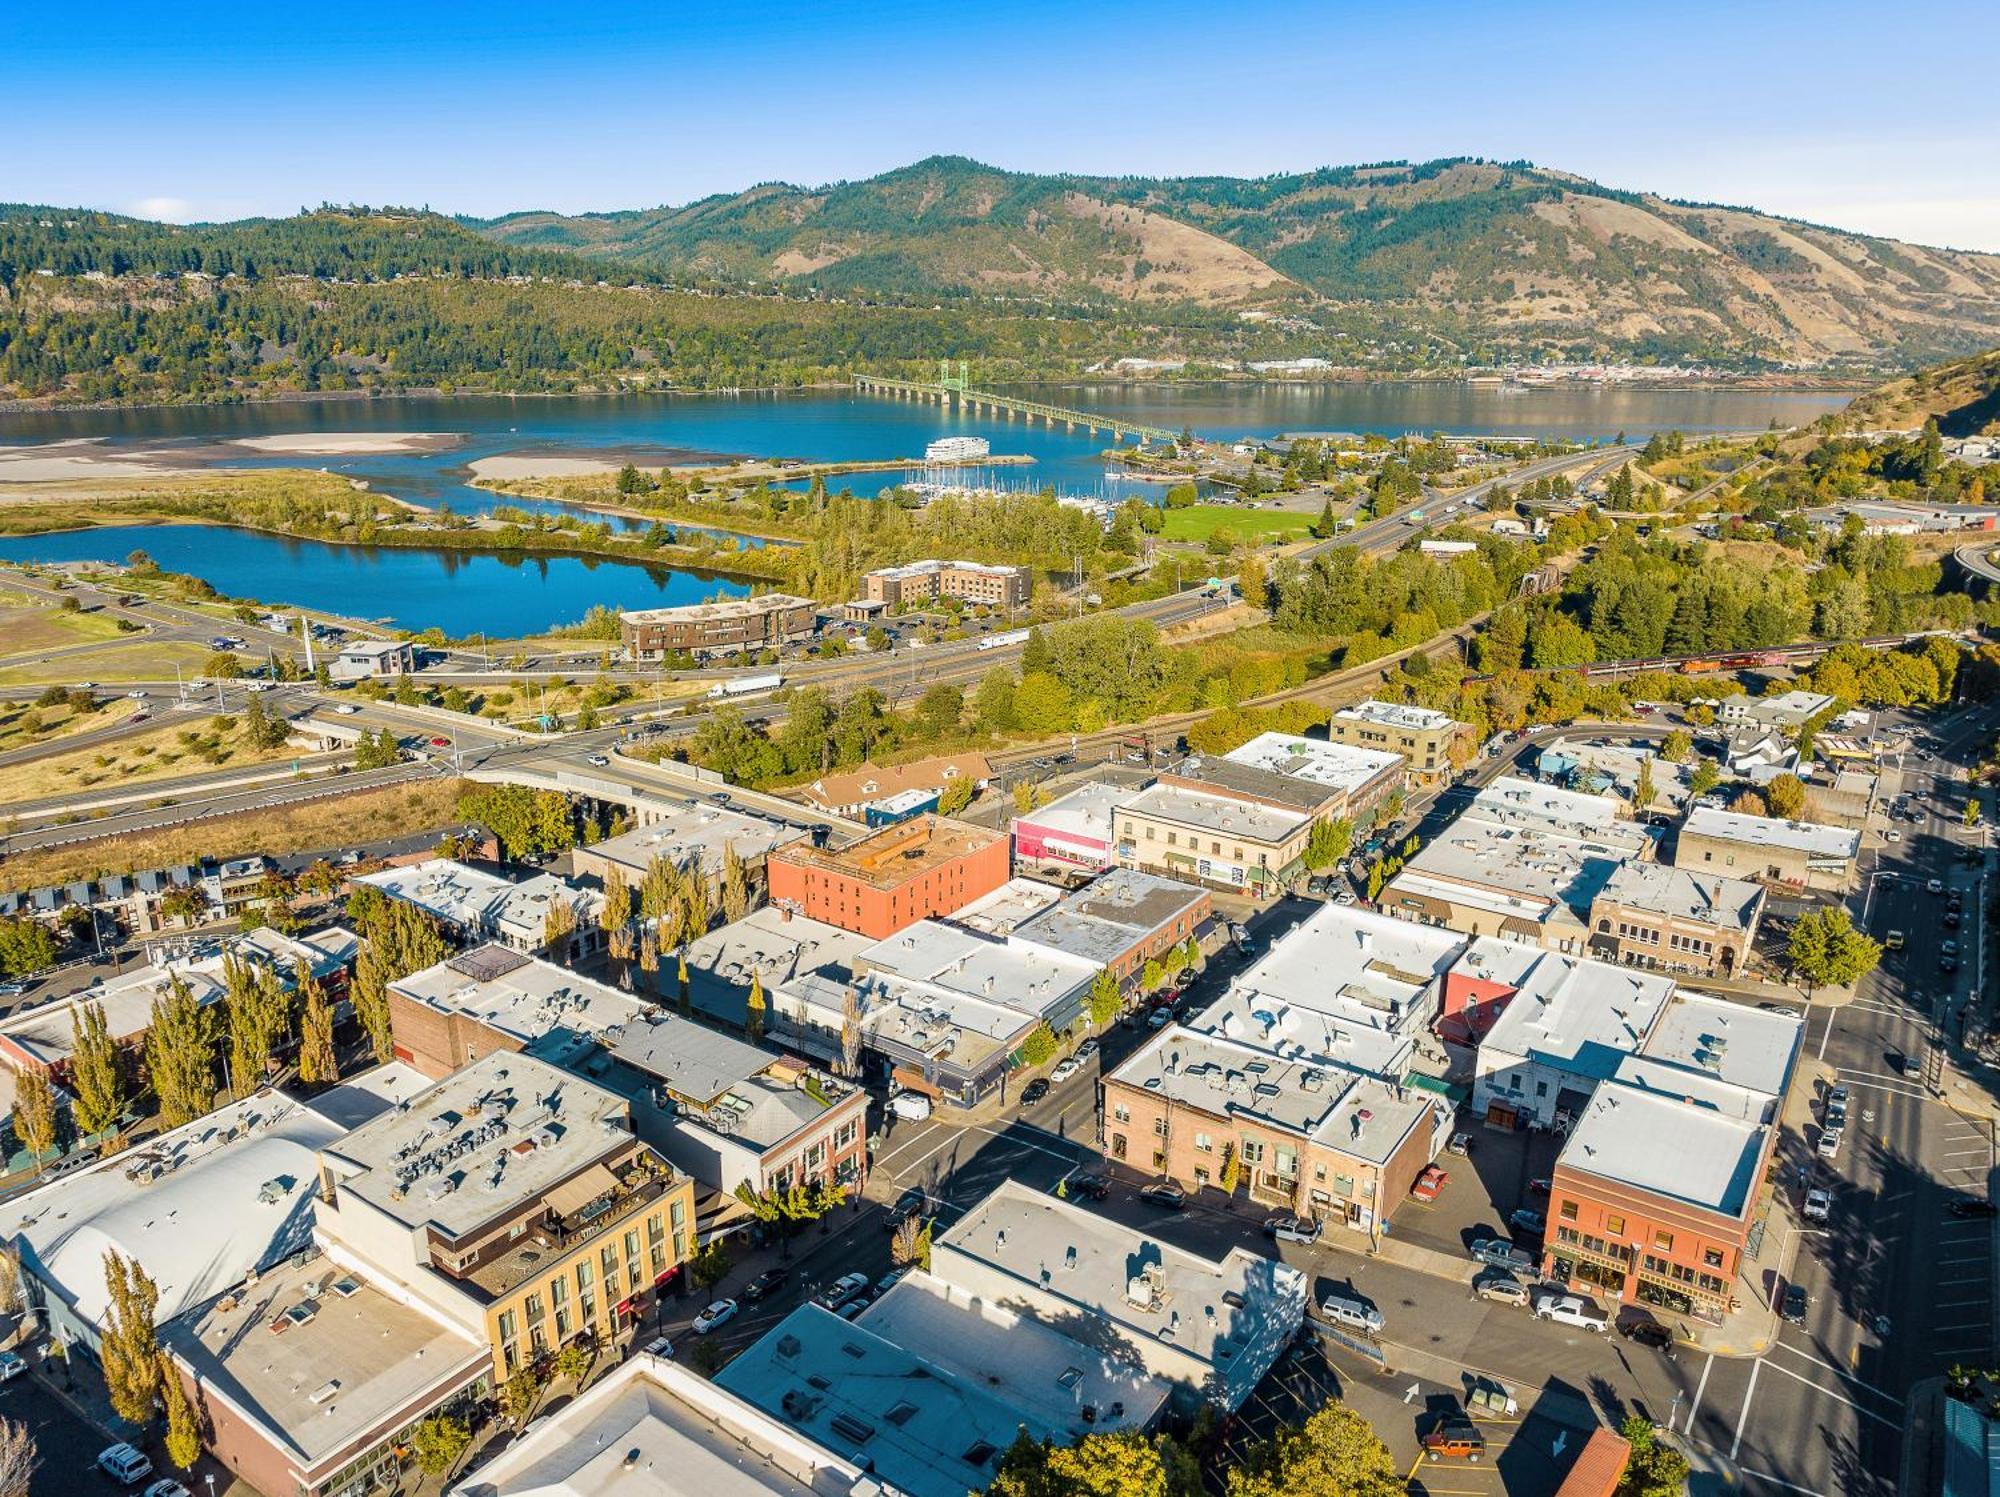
954, 391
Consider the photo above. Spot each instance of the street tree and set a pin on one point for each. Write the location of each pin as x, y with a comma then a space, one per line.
754, 1008
956, 796
129, 1351
26, 947
439, 1442
735, 885
1785, 797
397, 940
1705, 778
1335, 1453
558, 925
183, 1440
96, 1071
1677, 747
1152, 976
1827, 951
19, 1458
1328, 843
1105, 999
34, 1112
1124, 1464
1039, 1047
1654, 1469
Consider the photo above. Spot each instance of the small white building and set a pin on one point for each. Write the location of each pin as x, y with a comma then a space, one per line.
363, 658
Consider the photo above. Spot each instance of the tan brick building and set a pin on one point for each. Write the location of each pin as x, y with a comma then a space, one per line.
927, 581
719, 628
1675, 919
1422, 736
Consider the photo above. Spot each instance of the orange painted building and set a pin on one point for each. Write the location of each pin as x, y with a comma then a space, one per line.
911, 871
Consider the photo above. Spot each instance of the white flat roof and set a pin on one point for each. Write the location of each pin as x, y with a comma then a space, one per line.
654, 1429
1215, 813
1029, 978
1395, 715
1007, 907
1810, 838
1749, 1047
440, 1163
695, 833
532, 1001
1579, 1012
47, 1033
1085, 812
1685, 894
471, 897
200, 1206
1667, 1147
1337, 766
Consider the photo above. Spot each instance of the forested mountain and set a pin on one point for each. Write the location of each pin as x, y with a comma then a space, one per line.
1497, 260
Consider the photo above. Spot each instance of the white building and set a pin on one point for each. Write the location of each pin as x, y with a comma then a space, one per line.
474, 905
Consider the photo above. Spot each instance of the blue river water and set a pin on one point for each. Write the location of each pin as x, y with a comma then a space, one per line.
505, 596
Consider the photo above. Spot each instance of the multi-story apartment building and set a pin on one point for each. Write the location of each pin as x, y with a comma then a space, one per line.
513, 1198
722, 627
1420, 735
931, 865
971, 581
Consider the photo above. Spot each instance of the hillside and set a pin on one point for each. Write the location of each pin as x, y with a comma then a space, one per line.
1496, 261
1963, 398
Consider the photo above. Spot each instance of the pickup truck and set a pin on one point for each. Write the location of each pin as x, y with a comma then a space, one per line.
1569, 1309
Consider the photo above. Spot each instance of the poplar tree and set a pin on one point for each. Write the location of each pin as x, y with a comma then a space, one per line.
35, 1112
695, 909
735, 885
180, 1055
318, 1062
558, 925
755, 1010
130, 1350
616, 916
97, 1071
850, 1032
183, 1432
401, 939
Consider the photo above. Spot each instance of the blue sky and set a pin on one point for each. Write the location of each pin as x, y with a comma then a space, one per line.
1873, 119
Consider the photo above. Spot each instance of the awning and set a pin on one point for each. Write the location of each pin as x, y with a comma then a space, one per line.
572, 1196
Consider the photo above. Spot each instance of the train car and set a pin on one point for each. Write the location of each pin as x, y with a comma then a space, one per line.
1699, 667
1001, 641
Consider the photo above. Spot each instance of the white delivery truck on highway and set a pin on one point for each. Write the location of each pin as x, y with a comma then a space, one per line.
743, 686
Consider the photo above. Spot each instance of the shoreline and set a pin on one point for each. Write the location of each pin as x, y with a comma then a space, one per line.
1740, 382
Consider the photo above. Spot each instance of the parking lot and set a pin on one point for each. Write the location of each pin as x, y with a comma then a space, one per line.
1486, 1186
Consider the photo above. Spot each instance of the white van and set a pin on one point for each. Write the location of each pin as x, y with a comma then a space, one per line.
912, 1105
1354, 1314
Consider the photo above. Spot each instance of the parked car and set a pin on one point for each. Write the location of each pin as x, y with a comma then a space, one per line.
1455, 1440
1952, 919
718, 1314
12, 1365
1164, 1193
1065, 1068
1571, 1310
166, 1486
1354, 1313
1429, 1183
1295, 1229
1159, 1018
1966, 1207
1818, 1204
847, 1287
1829, 1143
890, 1280
1461, 1144
1034, 1091
1934, 886
912, 1202
766, 1283
661, 1346
912, 1105
1643, 1330
1836, 1107
124, 1462
1502, 1288
1528, 1220
1797, 1302
1501, 1253
1893, 941
1087, 1049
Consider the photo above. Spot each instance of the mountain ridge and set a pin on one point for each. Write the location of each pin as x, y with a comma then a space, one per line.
1502, 258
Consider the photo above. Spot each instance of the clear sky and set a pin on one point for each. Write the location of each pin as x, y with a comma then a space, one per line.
1885, 119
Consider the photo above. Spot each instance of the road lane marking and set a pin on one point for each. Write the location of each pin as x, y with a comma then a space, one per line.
1743, 1417
1844, 1376
1694, 1404
1865, 1413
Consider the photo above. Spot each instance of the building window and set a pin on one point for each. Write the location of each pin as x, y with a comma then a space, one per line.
1202, 1143
1712, 1257
1121, 1113
1117, 1146
1567, 1211
677, 1212
1160, 1126
1664, 1241
656, 1228
510, 1329
533, 1307
1615, 1225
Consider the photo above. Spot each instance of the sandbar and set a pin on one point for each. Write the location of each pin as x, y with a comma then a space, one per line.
349, 443
81, 457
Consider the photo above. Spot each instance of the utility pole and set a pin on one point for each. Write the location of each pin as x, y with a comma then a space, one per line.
306, 633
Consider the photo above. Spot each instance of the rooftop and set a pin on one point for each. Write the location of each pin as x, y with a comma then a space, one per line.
1684, 894
1533, 847
1107, 917
914, 1018
1749, 1047
1791, 707
654, 1429
1039, 1368
1395, 715
1016, 973
717, 611
917, 1427
1085, 812
1822, 842
472, 898
1712, 1162
695, 834
777, 945
1008, 907
726, 1085
1577, 1011
1060, 1260
1335, 766
46, 1034
492, 1137
534, 1002
358, 1361
200, 1206
1300, 1092
1217, 812
896, 854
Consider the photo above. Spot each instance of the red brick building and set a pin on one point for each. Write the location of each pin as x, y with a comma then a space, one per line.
904, 873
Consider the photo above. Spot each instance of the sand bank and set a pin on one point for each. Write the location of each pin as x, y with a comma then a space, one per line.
349, 443
81, 457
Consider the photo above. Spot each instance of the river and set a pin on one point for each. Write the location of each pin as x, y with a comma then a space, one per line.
471, 594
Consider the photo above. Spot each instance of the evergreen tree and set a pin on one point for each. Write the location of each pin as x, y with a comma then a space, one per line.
97, 1071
